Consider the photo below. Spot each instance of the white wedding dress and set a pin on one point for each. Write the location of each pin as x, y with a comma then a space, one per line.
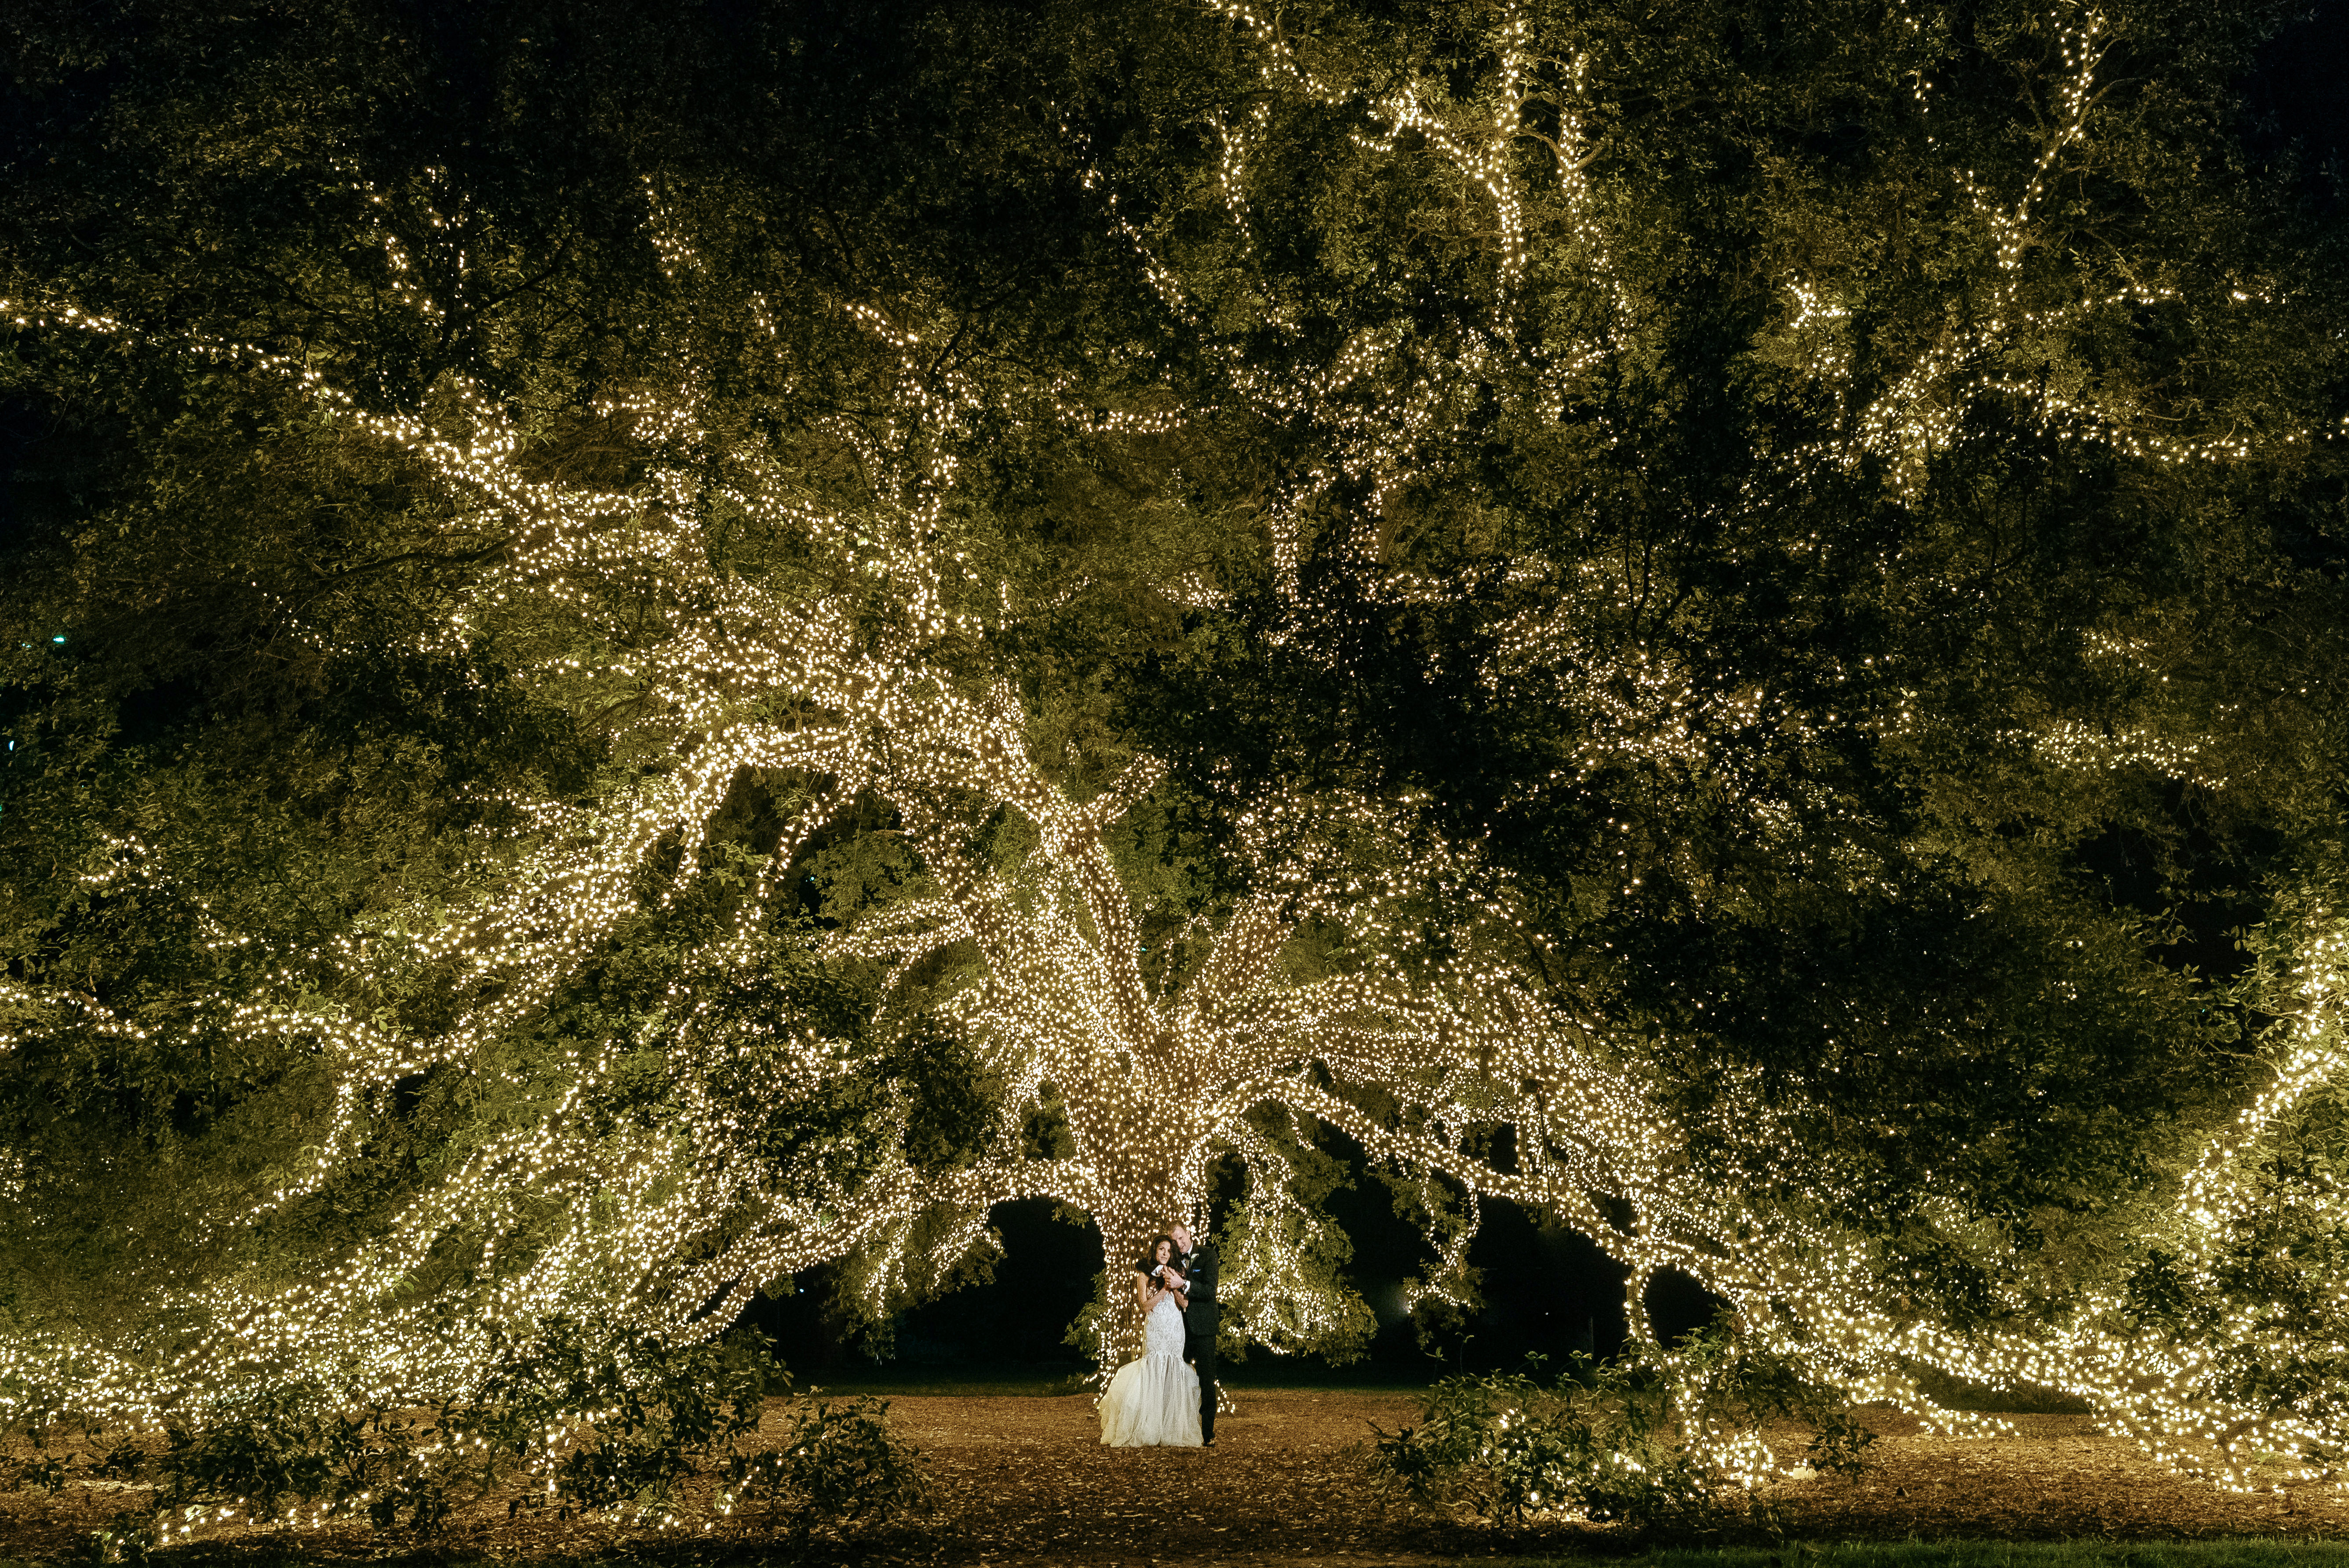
1155, 1401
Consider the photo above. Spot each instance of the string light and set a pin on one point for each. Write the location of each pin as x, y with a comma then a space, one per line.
1414, 1019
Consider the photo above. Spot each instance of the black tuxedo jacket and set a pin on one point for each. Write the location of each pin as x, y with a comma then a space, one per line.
1200, 1267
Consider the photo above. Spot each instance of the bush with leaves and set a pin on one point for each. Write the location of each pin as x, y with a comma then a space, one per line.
582, 1417
836, 1465
1608, 1443
292, 1452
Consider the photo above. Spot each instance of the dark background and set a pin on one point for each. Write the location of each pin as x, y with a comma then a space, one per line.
1548, 1292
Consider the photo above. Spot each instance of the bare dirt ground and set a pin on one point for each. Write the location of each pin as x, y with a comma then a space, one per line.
1027, 1479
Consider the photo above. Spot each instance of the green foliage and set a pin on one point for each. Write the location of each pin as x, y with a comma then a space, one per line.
1781, 799
580, 1417
1089, 1332
289, 1451
834, 1465
1727, 1392
1604, 1442
2260, 1290
1872, 888
1279, 1233
1498, 1447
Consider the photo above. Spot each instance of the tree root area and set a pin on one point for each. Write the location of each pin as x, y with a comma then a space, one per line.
1027, 1479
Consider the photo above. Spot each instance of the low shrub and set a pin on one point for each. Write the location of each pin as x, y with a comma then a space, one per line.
838, 1465
1501, 1446
1660, 1444
580, 1417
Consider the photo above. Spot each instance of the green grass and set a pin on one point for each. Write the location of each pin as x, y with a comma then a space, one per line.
2240, 1552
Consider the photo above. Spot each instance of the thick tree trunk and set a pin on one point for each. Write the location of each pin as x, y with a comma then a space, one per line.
1141, 1192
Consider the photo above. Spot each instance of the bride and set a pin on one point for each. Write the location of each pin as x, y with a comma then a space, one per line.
1155, 1400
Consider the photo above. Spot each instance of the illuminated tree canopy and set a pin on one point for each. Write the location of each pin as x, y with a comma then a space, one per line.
647, 656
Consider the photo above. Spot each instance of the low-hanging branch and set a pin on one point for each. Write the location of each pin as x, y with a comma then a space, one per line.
1369, 975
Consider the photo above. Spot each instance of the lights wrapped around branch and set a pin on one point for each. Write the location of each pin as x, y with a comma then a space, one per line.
860, 653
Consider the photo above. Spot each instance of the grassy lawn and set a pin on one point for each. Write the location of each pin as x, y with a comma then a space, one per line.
2247, 1552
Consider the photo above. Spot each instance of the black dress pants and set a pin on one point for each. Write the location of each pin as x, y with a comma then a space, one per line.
1199, 1325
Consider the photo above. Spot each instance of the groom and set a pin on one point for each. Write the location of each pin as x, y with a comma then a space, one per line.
1200, 1323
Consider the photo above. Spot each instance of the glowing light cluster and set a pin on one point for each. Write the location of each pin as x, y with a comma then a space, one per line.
1377, 979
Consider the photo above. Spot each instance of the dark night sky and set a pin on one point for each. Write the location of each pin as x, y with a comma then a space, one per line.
2297, 94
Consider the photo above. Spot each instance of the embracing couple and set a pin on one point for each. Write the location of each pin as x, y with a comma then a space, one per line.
1160, 1399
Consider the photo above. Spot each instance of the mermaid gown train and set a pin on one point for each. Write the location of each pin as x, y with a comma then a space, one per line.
1154, 1400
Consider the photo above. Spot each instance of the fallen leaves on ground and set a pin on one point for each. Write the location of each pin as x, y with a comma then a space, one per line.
1027, 1478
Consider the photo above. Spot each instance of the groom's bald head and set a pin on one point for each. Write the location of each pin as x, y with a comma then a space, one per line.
1182, 1234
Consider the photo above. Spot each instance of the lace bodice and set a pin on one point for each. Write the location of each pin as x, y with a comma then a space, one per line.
1162, 1331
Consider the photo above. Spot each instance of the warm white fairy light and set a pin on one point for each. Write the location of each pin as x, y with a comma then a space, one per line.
869, 669
1819, 1296
1153, 1084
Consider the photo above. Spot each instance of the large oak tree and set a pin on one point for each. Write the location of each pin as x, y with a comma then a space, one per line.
649, 655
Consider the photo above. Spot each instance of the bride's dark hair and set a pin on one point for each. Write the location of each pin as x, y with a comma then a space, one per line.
1150, 1254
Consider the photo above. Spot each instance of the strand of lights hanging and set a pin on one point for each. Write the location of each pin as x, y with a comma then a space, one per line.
876, 656
1800, 1289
